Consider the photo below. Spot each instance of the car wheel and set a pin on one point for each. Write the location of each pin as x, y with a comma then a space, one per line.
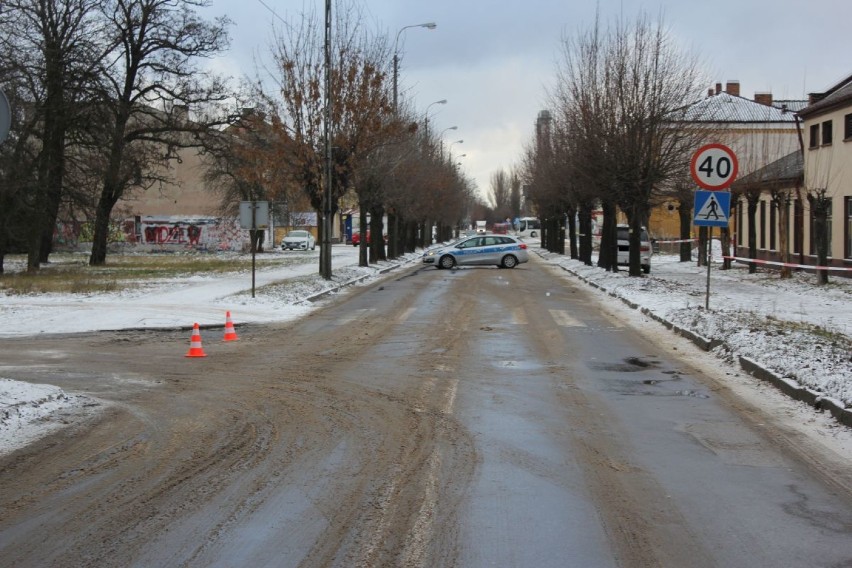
533, 234
447, 261
646, 268
509, 261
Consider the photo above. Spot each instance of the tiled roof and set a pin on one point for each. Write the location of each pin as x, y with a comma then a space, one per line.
783, 171
729, 108
839, 94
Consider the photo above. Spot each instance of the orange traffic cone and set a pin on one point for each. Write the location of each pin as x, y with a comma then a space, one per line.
230, 332
195, 349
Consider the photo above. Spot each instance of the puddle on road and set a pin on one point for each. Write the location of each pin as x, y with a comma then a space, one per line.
519, 365
629, 365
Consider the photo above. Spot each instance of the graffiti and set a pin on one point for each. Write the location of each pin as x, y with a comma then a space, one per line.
168, 232
177, 234
200, 233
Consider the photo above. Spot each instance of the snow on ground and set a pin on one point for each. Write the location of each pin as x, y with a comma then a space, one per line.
791, 327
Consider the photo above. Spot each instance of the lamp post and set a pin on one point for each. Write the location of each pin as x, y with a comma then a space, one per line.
450, 147
428, 26
426, 120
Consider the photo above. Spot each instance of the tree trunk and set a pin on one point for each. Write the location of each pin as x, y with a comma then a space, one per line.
752, 231
684, 212
702, 246
377, 240
635, 240
820, 205
393, 244
783, 205
726, 248
572, 234
100, 239
362, 234
608, 254
585, 221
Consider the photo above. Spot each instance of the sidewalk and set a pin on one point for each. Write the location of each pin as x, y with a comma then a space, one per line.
792, 333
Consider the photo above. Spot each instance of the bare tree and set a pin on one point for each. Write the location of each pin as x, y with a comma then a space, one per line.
150, 82
360, 106
51, 49
624, 88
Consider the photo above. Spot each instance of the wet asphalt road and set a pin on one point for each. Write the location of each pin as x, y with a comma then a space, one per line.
473, 417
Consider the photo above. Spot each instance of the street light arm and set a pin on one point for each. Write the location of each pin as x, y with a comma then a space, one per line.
427, 25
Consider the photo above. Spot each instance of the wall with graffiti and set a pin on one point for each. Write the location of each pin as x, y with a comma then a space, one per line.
199, 233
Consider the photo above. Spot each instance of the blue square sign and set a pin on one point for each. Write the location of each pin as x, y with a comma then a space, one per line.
712, 208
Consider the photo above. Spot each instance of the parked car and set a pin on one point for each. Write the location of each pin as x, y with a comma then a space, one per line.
500, 250
645, 248
300, 240
501, 228
356, 238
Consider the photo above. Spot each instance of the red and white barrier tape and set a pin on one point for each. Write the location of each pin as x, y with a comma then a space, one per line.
773, 263
679, 241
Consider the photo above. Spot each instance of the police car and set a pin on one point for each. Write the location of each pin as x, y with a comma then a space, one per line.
500, 250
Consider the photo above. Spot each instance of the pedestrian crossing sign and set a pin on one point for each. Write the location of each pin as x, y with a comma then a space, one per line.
712, 208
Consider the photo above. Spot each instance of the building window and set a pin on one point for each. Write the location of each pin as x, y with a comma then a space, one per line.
762, 237
826, 133
813, 140
773, 222
847, 253
847, 127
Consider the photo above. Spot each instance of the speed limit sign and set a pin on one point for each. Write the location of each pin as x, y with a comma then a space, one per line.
714, 167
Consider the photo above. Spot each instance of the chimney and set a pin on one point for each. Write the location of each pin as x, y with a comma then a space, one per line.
718, 88
763, 98
710, 93
733, 88
814, 98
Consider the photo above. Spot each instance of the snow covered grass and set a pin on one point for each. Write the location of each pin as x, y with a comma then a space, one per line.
71, 273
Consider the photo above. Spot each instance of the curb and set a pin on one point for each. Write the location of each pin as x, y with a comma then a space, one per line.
787, 386
324, 293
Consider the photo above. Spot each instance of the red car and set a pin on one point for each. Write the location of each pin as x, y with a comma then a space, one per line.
356, 238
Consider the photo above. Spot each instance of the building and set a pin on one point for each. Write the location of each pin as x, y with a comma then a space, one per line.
827, 132
759, 131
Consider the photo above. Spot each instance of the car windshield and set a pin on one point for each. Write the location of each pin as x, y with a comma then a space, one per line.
624, 234
298, 234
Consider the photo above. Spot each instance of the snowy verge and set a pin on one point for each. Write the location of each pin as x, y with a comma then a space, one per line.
30, 411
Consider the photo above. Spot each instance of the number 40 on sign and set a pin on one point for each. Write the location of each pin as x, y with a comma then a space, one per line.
714, 167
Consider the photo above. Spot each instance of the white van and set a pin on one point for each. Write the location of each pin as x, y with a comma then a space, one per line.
529, 227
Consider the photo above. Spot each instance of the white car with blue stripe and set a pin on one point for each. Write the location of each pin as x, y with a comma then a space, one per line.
500, 250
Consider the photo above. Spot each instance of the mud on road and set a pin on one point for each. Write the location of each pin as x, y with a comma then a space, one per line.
198, 461
440, 418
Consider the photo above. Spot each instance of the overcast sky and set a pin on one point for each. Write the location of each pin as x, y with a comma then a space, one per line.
493, 60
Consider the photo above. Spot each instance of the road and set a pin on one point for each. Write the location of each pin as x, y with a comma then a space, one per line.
473, 417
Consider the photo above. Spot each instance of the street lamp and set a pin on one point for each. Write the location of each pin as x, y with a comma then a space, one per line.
426, 120
428, 26
451, 143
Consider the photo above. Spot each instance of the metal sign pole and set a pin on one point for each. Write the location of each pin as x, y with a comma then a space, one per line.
709, 257
253, 241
